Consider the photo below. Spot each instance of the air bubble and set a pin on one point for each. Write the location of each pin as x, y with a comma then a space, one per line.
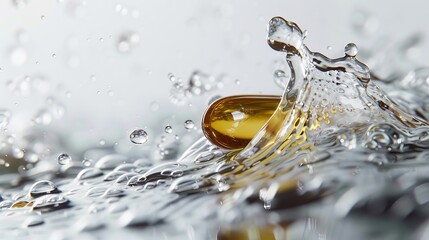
138, 136
168, 129
189, 124
351, 50
64, 159
171, 77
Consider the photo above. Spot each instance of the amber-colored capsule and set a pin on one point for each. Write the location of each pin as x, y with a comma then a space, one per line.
231, 122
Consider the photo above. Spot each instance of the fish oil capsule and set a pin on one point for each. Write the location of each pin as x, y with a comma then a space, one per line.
233, 121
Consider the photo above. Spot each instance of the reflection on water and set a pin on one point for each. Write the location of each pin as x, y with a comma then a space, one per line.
337, 158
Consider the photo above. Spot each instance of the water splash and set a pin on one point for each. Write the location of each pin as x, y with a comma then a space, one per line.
321, 93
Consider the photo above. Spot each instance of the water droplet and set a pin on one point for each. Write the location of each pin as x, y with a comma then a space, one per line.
189, 124
237, 82
87, 162
50, 202
102, 142
42, 17
126, 167
42, 187
168, 129
5, 204
351, 50
171, 77
54, 55
64, 159
125, 177
139, 136
88, 173
96, 191
113, 175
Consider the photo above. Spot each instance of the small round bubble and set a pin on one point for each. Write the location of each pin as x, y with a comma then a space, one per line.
351, 50
168, 129
138, 136
64, 159
189, 124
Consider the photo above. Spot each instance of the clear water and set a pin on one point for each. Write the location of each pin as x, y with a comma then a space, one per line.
339, 158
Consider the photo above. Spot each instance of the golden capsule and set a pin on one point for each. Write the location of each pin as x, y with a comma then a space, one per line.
231, 122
